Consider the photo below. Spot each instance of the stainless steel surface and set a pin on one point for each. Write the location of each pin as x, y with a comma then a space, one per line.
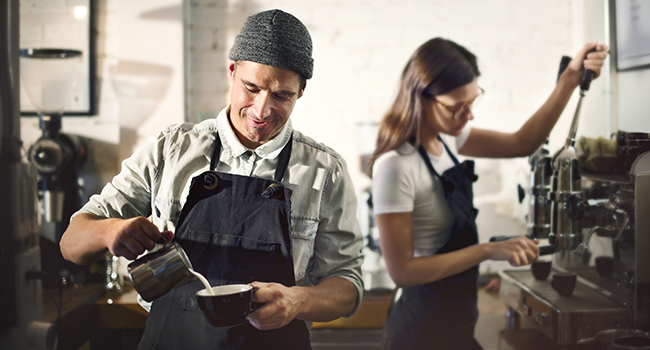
607, 339
53, 205
155, 274
571, 139
566, 320
538, 222
113, 281
613, 214
566, 196
641, 173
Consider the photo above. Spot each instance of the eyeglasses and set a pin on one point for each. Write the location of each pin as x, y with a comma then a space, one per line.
457, 111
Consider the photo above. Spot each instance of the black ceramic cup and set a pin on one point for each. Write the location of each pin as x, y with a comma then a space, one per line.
605, 266
541, 269
564, 283
229, 305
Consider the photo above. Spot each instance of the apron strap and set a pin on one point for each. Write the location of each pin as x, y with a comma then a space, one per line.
425, 156
283, 159
451, 155
216, 152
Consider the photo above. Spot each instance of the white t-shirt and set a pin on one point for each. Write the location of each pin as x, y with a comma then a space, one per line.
401, 183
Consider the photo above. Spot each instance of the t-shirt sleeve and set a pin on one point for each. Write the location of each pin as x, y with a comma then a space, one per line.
393, 184
464, 135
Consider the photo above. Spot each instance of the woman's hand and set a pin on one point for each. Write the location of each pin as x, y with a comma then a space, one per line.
518, 251
594, 61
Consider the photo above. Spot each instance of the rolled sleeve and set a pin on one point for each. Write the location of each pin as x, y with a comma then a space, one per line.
129, 193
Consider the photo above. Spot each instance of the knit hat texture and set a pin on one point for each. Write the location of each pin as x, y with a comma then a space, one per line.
275, 38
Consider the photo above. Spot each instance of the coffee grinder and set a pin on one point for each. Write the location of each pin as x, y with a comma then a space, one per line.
49, 77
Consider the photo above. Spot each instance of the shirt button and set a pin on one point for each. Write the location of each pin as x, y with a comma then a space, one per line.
248, 153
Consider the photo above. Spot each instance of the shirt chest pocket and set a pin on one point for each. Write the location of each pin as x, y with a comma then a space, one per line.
165, 213
303, 235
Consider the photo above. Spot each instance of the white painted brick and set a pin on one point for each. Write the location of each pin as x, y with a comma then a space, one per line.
361, 46
208, 3
209, 81
352, 15
210, 17
208, 61
546, 33
553, 11
353, 36
206, 39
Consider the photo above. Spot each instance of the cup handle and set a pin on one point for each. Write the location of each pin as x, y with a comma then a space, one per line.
162, 240
255, 305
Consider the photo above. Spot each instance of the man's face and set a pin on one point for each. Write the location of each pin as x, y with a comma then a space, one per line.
261, 100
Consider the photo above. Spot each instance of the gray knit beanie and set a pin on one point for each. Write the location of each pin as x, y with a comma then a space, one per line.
275, 38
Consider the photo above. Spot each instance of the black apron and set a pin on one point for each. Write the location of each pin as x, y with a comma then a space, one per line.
234, 229
442, 314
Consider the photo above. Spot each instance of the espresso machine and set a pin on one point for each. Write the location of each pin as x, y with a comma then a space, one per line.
599, 224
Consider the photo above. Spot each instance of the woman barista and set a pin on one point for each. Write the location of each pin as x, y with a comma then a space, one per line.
422, 194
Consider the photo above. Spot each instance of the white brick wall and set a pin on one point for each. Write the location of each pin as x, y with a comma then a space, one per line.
361, 46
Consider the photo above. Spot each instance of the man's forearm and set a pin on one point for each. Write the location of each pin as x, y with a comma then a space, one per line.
81, 243
334, 297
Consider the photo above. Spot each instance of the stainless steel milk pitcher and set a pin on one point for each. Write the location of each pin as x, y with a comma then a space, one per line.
156, 273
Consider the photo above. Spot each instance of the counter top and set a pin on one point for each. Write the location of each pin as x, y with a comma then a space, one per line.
72, 310
492, 333
124, 312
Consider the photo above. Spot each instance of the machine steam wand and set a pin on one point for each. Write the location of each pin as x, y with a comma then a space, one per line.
566, 197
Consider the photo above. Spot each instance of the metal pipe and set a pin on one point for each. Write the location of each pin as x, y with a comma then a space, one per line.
9, 156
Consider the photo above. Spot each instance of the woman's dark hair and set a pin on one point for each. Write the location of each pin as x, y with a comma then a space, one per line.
435, 68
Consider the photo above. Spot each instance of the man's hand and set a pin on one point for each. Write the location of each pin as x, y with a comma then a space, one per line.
130, 238
87, 238
282, 305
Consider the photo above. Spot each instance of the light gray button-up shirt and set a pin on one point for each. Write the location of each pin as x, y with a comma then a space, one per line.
325, 236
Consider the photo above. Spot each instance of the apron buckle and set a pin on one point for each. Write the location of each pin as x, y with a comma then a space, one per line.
274, 191
210, 181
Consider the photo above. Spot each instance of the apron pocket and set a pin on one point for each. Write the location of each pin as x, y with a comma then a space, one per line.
229, 259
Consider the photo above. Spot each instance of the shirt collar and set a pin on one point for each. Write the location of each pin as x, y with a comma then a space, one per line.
231, 144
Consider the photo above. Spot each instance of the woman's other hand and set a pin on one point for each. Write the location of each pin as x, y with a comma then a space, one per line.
589, 60
518, 251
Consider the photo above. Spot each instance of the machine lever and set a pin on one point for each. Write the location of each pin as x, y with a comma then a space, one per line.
587, 76
563, 64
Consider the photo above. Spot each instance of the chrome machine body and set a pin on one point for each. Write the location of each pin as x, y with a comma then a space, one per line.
539, 212
600, 227
613, 289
